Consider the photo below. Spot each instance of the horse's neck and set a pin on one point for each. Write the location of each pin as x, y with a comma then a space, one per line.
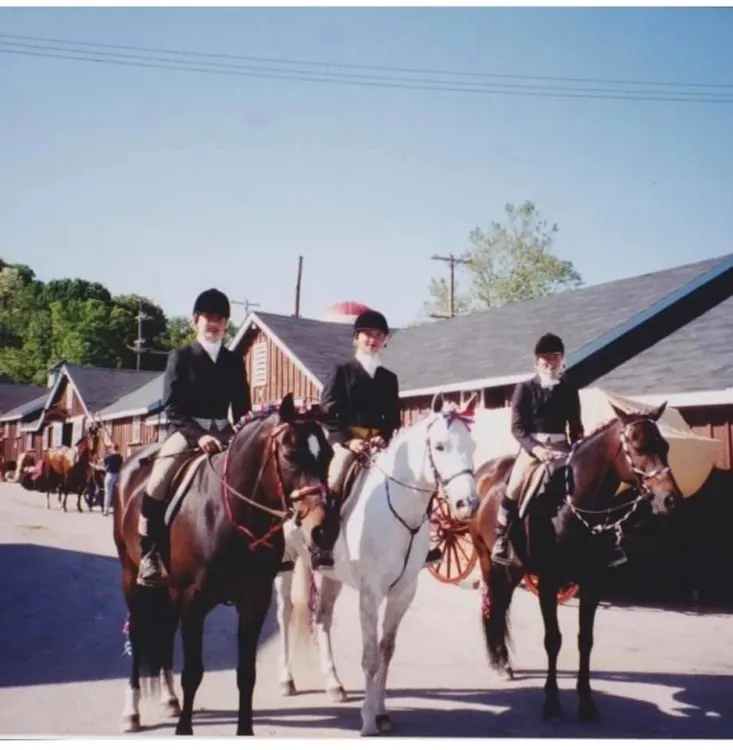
595, 470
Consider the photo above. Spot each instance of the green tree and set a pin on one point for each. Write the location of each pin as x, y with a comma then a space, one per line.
510, 262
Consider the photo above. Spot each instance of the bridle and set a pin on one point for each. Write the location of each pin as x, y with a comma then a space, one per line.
287, 503
643, 490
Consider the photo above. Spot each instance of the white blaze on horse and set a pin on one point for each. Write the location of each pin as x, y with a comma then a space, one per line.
381, 548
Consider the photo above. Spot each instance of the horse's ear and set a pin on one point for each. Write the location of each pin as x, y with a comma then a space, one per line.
625, 417
437, 404
287, 411
470, 407
656, 413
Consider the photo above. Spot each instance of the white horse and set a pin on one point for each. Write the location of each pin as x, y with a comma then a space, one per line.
381, 548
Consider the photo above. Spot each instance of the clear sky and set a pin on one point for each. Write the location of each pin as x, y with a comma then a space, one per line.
165, 182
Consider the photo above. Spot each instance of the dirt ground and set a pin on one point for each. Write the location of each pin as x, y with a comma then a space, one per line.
656, 673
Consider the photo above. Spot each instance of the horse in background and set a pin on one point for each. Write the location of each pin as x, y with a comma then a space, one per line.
68, 468
563, 531
381, 548
225, 546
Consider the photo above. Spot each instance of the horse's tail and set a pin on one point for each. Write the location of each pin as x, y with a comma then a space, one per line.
152, 624
495, 602
302, 596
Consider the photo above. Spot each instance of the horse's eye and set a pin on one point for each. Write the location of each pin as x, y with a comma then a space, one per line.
440, 446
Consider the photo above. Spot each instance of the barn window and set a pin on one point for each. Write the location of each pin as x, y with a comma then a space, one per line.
47, 437
77, 431
259, 364
136, 430
29, 441
69, 396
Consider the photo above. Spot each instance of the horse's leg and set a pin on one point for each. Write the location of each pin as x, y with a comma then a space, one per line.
553, 641
192, 636
394, 611
368, 611
252, 613
587, 710
168, 698
329, 591
131, 711
283, 587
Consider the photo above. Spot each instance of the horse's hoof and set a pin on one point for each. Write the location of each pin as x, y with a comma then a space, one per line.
172, 708
288, 688
369, 730
588, 712
337, 694
130, 724
384, 723
552, 713
185, 729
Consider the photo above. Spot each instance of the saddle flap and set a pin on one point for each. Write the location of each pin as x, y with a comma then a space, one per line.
353, 473
180, 484
537, 481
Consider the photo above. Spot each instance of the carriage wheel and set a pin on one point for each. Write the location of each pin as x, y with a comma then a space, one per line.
454, 540
563, 595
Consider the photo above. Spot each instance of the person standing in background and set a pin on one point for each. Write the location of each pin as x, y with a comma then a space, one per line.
112, 466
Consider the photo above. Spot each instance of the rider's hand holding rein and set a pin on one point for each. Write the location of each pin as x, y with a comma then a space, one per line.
209, 444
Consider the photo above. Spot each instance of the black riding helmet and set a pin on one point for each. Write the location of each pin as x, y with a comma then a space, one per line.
371, 319
549, 343
212, 302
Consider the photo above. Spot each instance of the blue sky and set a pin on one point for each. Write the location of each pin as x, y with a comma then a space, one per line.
166, 182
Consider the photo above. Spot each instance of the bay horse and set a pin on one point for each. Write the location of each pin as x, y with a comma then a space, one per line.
382, 544
563, 537
70, 466
224, 546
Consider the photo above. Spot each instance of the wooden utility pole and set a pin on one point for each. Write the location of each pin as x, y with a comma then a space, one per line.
246, 303
452, 261
137, 347
297, 286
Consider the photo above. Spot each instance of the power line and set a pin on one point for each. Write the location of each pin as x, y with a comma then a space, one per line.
354, 79
355, 66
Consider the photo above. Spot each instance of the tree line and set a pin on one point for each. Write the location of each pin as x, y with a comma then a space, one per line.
79, 321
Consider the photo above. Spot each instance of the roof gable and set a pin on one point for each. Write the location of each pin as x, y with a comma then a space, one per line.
15, 398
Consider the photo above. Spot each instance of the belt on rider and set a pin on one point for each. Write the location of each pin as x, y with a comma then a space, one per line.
364, 433
549, 437
212, 424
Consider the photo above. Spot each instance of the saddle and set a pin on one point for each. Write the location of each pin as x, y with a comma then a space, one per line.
353, 473
540, 478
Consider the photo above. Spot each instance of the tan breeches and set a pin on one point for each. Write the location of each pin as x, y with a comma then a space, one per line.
171, 455
340, 463
522, 465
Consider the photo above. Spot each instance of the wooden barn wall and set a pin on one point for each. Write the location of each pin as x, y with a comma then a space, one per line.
76, 410
715, 422
121, 432
282, 375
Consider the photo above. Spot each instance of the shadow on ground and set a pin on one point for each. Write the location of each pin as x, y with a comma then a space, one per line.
674, 706
61, 619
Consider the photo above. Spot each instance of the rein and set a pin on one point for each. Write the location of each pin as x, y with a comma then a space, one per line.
642, 489
282, 515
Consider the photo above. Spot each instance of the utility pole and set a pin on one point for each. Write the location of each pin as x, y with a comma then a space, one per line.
452, 261
246, 303
139, 341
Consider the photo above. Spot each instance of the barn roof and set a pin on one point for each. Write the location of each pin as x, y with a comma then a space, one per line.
494, 347
314, 345
142, 401
16, 401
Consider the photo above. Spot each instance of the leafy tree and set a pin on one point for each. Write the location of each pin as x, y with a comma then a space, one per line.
511, 262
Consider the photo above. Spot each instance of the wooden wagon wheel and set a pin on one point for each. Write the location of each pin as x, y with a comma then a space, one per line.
563, 595
454, 540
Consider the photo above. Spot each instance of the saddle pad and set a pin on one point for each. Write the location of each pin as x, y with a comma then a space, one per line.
177, 499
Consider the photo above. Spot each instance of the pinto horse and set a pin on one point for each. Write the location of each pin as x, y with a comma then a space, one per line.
70, 467
225, 545
563, 538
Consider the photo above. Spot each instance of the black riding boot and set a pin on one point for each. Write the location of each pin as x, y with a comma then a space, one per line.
507, 511
322, 559
433, 556
151, 571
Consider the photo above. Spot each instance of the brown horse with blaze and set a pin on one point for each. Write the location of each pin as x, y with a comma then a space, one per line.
224, 546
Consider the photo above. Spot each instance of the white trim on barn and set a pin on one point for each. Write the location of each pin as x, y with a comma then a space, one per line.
64, 372
467, 385
689, 398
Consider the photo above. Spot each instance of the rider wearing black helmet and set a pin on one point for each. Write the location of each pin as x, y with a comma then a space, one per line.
201, 381
360, 404
545, 421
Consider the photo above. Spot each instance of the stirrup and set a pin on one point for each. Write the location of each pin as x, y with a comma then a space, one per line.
152, 572
618, 557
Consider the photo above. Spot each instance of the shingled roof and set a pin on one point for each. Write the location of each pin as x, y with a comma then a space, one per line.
496, 344
146, 399
18, 400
